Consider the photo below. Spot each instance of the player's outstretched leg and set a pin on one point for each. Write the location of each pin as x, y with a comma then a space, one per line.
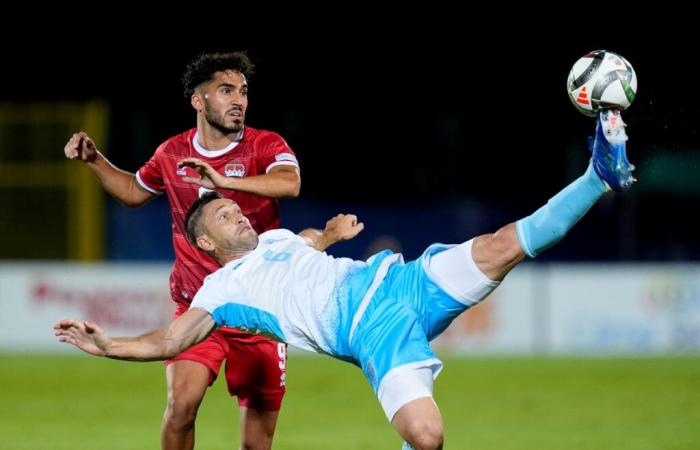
609, 169
471, 270
495, 254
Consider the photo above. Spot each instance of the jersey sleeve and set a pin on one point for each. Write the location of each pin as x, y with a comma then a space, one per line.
274, 151
150, 175
211, 295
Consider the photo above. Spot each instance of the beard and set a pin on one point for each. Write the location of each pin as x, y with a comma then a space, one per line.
250, 242
218, 121
230, 246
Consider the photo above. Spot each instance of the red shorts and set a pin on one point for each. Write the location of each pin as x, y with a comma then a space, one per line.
255, 366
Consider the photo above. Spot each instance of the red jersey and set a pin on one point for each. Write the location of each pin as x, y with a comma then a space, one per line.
255, 152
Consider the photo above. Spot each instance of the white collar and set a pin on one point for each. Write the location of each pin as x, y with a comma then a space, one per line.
214, 153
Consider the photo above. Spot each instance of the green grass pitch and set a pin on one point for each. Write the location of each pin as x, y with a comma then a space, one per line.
78, 402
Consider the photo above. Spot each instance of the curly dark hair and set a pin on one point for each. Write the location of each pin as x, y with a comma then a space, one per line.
202, 68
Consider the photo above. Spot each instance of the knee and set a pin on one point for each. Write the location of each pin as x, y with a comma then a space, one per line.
506, 244
509, 250
496, 254
427, 435
181, 412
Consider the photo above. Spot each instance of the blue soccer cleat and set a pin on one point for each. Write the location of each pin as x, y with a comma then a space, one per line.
609, 151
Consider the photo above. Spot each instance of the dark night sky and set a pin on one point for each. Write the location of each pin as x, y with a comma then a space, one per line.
380, 118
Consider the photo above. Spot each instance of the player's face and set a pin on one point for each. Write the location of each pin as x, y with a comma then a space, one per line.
227, 228
225, 101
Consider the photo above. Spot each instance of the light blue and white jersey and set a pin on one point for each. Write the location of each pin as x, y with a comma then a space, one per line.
293, 293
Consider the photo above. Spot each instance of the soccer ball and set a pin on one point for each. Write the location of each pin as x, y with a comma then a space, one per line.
601, 80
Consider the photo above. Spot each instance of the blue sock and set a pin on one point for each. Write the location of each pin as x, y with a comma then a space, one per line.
549, 224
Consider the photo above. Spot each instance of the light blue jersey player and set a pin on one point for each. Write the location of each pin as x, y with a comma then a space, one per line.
380, 314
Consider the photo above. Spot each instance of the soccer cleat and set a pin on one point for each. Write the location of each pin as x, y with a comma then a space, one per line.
608, 147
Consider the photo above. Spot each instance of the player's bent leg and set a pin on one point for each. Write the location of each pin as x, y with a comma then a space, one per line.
256, 374
187, 383
420, 424
188, 375
257, 428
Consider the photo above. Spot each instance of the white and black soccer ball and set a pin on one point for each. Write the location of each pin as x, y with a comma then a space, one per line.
601, 80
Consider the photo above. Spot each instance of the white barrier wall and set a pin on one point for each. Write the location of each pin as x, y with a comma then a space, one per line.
566, 309
125, 299
625, 309
574, 309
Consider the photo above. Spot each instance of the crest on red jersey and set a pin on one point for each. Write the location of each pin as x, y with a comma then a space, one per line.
234, 169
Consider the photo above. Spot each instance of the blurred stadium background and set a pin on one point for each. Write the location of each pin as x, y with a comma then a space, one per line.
593, 345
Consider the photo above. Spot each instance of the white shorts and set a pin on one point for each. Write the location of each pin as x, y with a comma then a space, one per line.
456, 272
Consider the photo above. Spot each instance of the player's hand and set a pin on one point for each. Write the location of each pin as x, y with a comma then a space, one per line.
81, 147
343, 227
209, 178
87, 336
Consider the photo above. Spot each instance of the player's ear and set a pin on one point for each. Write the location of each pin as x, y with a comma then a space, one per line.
204, 243
196, 101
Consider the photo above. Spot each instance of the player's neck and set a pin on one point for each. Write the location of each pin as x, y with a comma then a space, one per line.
224, 258
212, 139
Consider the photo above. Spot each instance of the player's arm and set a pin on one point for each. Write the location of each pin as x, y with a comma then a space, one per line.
342, 227
120, 184
280, 182
190, 328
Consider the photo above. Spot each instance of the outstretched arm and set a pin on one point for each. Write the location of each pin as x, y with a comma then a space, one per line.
279, 182
342, 227
120, 184
187, 330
